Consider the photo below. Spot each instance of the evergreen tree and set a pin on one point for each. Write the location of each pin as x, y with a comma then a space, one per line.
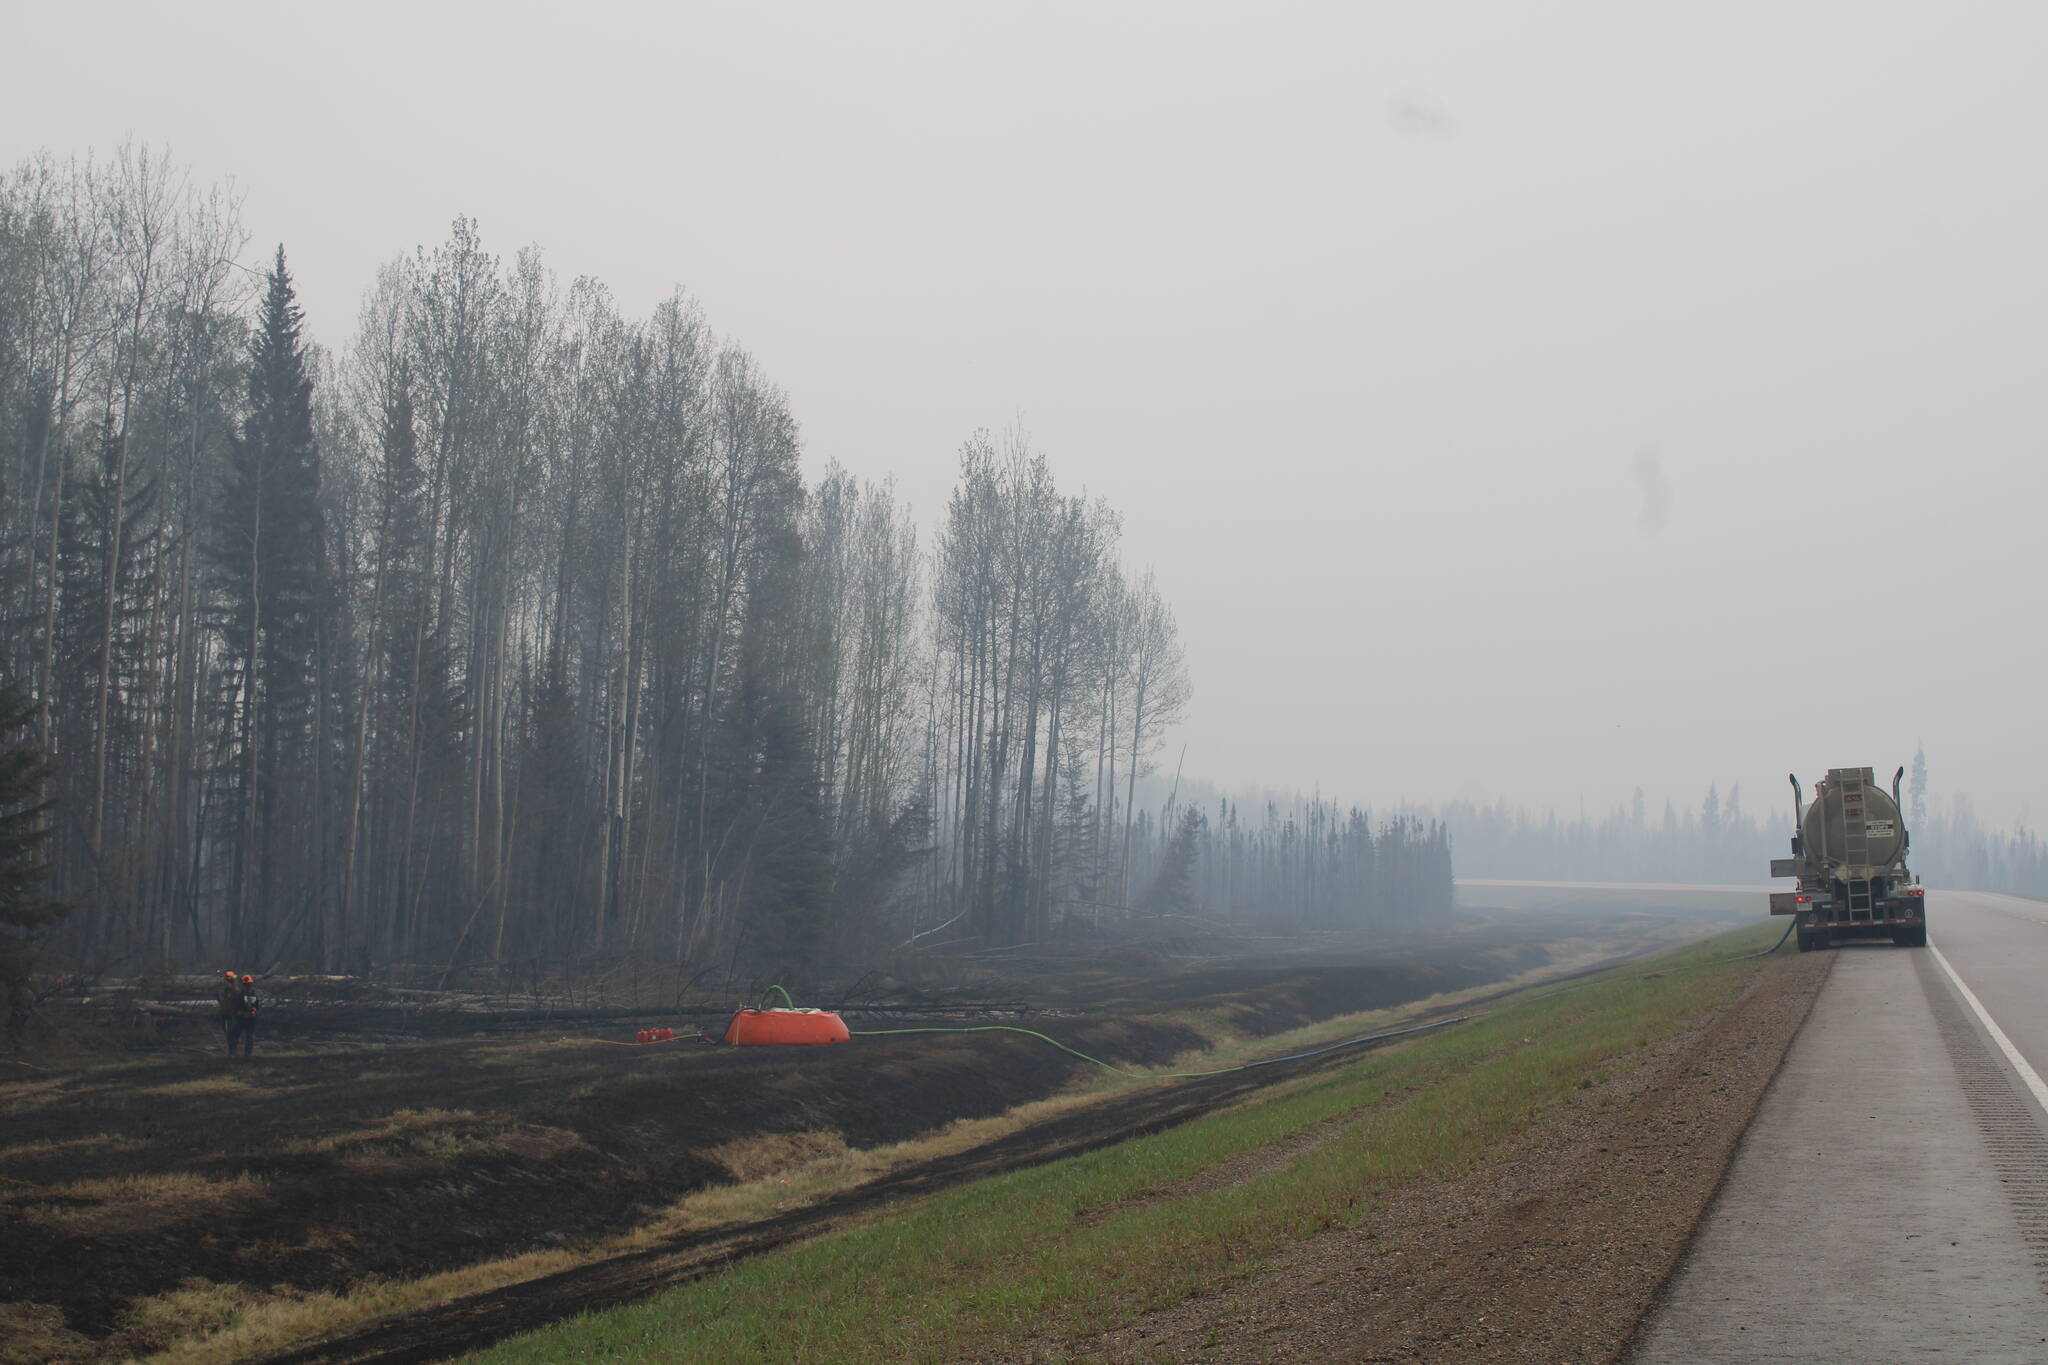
270, 570
24, 910
1076, 853
867, 871
557, 829
1173, 889
774, 822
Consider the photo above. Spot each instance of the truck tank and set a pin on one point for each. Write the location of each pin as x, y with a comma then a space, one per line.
1849, 859
1828, 830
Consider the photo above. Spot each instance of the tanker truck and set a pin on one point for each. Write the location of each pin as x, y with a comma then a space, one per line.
1849, 856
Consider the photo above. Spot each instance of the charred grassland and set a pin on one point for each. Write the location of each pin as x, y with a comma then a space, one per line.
171, 1198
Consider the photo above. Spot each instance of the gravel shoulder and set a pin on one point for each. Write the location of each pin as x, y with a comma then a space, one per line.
1894, 1160
1553, 1252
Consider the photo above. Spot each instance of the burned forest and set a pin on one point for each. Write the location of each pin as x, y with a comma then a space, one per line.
498, 625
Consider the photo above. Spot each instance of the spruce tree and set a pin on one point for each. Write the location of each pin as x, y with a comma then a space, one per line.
1173, 890
270, 569
24, 823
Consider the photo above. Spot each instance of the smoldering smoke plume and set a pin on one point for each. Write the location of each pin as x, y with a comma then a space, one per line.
1656, 511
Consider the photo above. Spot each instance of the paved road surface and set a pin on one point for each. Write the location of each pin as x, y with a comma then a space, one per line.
1626, 886
1890, 1201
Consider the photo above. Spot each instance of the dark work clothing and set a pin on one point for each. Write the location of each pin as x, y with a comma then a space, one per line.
230, 1000
240, 1020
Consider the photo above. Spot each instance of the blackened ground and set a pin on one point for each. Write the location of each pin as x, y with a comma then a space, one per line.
479, 1320
401, 1161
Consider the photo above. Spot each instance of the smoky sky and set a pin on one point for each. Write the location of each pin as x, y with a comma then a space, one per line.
1525, 401
1656, 489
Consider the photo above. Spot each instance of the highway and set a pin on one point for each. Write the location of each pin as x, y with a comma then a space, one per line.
1890, 1200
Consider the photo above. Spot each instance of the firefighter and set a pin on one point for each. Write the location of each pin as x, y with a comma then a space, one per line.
230, 1002
242, 1026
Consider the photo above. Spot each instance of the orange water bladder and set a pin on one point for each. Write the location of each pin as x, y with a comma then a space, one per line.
754, 1027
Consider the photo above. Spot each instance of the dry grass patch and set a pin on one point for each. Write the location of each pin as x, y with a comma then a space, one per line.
412, 1120
196, 1306
413, 1136
759, 1155
226, 1323
835, 1169
24, 1097
94, 1143
205, 1085
124, 1205
1217, 1023
398, 1127
35, 1332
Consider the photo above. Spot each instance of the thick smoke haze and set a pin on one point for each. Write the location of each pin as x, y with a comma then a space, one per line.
1525, 402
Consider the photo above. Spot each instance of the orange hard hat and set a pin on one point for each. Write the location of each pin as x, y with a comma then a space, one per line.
247, 980
229, 973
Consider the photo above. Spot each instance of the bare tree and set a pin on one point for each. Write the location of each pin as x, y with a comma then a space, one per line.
1156, 683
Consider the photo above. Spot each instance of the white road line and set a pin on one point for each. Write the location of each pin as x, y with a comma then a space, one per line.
2012, 1054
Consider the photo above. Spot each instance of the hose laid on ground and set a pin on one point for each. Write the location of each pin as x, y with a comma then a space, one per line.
1195, 1075
1794, 924
698, 1036
1743, 957
1539, 993
1075, 1052
1172, 1075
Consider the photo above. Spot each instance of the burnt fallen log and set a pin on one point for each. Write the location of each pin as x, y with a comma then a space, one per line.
162, 1011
